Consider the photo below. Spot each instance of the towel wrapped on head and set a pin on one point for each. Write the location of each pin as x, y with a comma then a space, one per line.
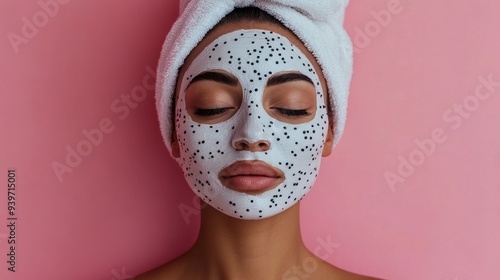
319, 24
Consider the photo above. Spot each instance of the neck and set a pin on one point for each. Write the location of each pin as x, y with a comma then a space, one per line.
229, 248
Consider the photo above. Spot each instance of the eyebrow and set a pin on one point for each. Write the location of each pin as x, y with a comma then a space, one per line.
216, 77
288, 77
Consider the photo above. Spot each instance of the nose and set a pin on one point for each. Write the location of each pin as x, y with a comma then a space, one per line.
258, 146
249, 133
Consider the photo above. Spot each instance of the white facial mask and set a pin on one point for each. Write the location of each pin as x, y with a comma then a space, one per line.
295, 149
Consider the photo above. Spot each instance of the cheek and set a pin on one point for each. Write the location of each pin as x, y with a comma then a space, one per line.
201, 143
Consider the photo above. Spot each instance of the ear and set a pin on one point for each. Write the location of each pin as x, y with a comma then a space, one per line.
175, 146
327, 149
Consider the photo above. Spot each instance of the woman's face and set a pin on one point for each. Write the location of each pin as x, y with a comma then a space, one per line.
251, 122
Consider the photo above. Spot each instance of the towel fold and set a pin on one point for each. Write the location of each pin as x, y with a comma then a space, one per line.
319, 24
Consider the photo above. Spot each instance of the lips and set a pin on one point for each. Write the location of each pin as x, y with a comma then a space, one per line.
251, 176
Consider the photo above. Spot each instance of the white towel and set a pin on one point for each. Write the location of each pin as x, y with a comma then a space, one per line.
319, 24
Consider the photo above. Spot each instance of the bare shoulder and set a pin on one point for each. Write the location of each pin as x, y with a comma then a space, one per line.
328, 271
179, 269
346, 275
172, 270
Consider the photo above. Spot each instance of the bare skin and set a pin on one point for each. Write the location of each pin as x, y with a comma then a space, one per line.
233, 249
270, 249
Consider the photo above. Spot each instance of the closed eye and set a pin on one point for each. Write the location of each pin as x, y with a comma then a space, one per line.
293, 113
210, 112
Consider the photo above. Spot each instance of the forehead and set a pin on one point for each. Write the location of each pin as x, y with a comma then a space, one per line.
228, 28
252, 55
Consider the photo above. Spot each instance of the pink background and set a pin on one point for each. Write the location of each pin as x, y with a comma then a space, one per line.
117, 213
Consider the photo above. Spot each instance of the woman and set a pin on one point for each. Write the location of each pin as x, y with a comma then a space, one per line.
249, 120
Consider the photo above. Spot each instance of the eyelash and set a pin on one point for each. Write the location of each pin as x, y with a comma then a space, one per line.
293, 113
218, 111
210, 112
